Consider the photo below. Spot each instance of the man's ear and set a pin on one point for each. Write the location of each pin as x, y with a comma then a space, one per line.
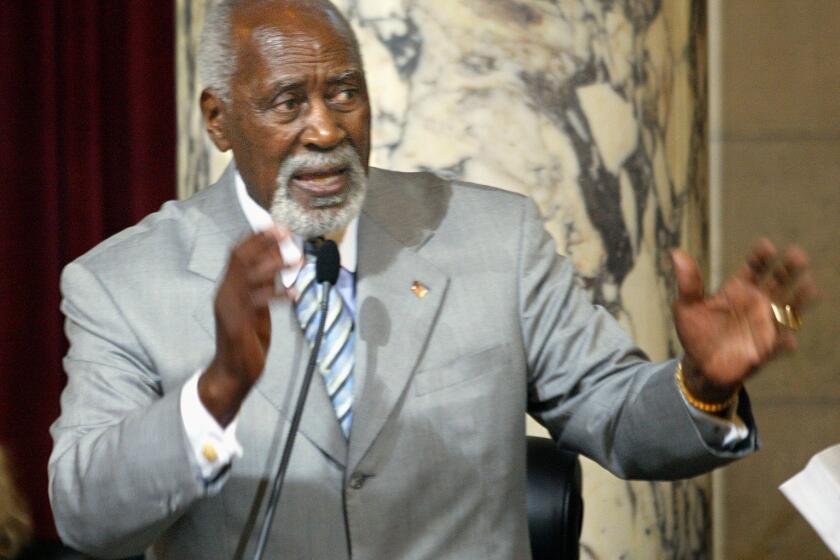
214, 111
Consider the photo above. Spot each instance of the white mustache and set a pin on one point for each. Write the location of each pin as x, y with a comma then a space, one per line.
319, 162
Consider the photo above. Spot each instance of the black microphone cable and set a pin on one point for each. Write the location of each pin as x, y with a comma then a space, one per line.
327, 267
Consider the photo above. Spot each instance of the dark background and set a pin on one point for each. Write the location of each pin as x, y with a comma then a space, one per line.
87, 148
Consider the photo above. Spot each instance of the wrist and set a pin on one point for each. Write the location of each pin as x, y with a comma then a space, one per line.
701, 393
221, 392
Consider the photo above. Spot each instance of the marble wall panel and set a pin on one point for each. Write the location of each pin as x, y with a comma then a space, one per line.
596, 109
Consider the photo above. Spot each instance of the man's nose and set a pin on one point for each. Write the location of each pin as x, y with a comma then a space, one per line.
322, 132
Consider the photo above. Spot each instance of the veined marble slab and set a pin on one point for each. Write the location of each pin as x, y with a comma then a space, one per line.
595, 108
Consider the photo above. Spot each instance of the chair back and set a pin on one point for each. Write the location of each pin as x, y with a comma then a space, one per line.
555, 505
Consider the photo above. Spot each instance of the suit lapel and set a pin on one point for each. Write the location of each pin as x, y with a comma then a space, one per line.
280, 384
393, 322
220, 225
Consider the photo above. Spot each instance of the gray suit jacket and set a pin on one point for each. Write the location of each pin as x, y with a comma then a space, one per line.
435, 465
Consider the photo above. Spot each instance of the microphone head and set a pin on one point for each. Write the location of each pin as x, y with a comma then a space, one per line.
328, 263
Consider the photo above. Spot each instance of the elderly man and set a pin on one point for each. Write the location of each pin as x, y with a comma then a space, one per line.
452, 317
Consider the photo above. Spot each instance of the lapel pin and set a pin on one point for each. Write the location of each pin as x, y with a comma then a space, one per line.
419, 290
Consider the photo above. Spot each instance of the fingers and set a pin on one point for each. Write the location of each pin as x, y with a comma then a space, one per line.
751, 311
260, 297
760, 262
780, 281
786, 279
751, 307
253, 269
689, 280
786, 342
256, 248
792, 283
797, 280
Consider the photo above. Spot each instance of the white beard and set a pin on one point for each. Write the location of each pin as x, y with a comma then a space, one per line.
332, 213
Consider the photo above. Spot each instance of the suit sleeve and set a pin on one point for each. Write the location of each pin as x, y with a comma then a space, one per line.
592, 388
119, 472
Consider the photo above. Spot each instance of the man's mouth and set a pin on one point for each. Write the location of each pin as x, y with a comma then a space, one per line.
321, 182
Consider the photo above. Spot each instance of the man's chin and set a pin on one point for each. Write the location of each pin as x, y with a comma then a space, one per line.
315, 222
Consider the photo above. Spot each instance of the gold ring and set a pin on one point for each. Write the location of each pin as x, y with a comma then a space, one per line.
787, 316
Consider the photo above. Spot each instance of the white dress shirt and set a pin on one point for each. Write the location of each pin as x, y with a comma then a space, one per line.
213, 448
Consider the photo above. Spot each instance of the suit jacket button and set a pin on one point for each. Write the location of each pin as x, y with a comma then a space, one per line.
357, 481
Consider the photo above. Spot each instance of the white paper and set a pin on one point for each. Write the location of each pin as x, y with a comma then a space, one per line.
815, 492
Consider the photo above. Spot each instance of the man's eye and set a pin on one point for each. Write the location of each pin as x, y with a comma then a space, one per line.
346, 96
287, 104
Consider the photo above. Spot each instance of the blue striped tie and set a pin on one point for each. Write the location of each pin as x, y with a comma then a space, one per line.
335, 358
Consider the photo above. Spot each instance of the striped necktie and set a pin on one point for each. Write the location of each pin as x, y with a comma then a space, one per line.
335, 358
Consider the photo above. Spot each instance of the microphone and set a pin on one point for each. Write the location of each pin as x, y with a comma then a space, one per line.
327, 267
328, 263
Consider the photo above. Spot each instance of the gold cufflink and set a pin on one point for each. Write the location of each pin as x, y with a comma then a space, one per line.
210, 453
419, 290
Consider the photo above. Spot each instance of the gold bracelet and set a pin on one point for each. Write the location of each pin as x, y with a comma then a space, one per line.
712, 408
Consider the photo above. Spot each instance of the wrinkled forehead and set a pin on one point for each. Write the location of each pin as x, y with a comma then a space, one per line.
277, 29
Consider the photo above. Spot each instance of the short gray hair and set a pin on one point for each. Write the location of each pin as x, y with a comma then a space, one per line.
217, 57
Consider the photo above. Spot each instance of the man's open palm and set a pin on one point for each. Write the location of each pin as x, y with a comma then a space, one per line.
728, 335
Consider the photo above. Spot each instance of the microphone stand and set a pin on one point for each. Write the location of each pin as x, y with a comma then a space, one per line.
277, 484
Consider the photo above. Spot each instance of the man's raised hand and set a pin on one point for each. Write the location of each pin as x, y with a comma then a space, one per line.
243, 323
727, 336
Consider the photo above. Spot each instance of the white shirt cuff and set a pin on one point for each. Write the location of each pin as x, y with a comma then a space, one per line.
719, 433
211, 447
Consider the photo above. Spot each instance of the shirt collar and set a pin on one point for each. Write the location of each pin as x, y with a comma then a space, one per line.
291, 248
